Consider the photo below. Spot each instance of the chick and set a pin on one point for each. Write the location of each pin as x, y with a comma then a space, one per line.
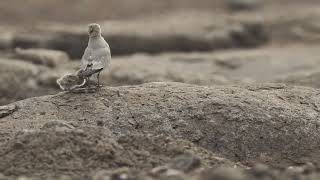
70, 82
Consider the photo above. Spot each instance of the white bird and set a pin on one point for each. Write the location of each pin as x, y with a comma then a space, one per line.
97, 55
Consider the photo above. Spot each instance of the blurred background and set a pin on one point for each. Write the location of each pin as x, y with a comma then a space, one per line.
204, 42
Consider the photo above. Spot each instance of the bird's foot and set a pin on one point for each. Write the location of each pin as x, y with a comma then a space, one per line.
84, 90
99, 85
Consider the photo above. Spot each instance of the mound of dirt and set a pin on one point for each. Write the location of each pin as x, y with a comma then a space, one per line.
21, 80
162, 130
50, 58
269, 123
79, 153
16, 79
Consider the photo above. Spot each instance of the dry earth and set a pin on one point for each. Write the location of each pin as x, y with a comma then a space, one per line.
223, 124
145, 126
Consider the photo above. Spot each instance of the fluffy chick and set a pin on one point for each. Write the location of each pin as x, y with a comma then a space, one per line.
70, 82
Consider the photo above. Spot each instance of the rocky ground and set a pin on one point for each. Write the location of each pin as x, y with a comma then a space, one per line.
144, 127
220, 89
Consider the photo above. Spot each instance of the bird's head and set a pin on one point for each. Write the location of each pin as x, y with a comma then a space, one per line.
94, 30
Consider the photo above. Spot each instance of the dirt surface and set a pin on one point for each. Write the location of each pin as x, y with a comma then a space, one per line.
249, 109
231, 117
247, 124
80, 152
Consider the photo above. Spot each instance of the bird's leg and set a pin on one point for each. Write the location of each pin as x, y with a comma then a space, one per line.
98, 77
87, 79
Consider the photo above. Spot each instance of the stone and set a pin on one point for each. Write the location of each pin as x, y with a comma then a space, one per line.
7, 110
46, 57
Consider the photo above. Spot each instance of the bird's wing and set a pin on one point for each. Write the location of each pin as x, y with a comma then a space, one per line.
88, 72
101, 58
86, 58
